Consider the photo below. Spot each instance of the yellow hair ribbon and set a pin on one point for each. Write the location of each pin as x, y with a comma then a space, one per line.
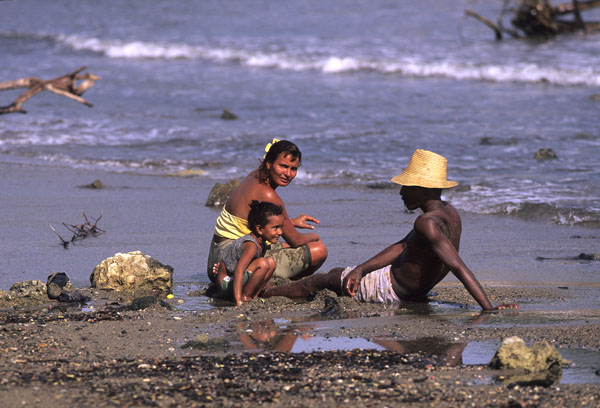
268, 146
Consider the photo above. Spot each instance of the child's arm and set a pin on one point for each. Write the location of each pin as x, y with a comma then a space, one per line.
248, 254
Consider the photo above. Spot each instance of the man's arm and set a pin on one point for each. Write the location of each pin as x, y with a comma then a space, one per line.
448, 254
384, 258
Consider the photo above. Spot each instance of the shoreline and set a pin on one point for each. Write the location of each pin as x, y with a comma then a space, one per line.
165, 217
102, 354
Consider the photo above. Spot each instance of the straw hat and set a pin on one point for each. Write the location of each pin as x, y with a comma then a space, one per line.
425, 169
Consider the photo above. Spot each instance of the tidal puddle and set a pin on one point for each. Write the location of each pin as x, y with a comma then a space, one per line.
282, 335
192, 301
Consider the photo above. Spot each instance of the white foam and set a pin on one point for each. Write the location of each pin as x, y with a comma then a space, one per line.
333, 64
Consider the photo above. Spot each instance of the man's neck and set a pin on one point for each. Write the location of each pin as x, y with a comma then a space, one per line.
431, 205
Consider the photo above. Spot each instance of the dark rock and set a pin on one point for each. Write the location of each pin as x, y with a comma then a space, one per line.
55, 284
29, 288
585, 136
55, 288
220, 193
331, 308
145, 302
96, 185
589, 257
545, 154
491, 141
595, 97
461, 188
73, 297
228, 115
381, 186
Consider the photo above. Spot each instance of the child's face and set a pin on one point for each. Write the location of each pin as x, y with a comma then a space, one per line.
273, 229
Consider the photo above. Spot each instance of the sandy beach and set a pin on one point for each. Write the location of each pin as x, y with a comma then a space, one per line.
329, 350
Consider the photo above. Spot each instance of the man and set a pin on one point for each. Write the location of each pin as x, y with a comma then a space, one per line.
411, 267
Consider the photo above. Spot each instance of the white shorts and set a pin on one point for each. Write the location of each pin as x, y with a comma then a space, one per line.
375, 287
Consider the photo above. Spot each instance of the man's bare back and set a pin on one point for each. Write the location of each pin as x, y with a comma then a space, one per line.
418, 269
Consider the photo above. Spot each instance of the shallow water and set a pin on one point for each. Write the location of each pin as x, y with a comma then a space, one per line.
281, 335
357, 85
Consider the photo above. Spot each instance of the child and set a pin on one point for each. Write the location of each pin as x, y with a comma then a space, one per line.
244, 271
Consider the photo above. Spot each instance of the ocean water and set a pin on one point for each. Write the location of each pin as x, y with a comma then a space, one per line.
358, 85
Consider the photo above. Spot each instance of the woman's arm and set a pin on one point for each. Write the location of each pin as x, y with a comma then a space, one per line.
301, 221
290, 234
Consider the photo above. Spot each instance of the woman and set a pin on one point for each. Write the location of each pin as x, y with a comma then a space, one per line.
302, 253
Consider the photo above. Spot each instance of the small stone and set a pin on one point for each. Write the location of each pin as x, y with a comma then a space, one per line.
589, 257
228, 115
204, 342
145, 302
545, 154
94, 185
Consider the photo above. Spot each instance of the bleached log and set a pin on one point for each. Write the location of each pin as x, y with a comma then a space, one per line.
71, 86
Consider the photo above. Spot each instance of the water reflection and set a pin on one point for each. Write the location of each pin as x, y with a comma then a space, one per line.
281, 335
268, 336
450, 354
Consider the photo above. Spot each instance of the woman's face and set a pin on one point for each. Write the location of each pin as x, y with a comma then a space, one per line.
283, 170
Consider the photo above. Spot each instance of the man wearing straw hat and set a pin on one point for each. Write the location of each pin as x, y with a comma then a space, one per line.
410, 268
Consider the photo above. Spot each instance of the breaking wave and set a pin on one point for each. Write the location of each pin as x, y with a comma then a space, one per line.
548, 212
323, 61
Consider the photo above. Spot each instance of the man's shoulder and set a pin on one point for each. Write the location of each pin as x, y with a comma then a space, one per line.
429, 224
426, 219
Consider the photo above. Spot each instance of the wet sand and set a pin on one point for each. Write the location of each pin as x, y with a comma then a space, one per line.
280, 352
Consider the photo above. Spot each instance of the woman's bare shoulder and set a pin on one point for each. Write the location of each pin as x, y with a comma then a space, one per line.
250, 189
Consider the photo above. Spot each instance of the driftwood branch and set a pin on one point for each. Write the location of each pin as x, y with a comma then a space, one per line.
80, 231
71, 86
485, 21
538, 18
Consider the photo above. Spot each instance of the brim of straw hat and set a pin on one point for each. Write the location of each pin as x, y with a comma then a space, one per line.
425, 169
414, 180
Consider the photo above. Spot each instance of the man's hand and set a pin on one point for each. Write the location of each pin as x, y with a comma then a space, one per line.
351, 282
301, 221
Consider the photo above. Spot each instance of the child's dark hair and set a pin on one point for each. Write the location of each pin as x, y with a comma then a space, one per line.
282, 146
260, 212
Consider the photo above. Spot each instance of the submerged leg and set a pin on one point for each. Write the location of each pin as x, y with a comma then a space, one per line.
303, 288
